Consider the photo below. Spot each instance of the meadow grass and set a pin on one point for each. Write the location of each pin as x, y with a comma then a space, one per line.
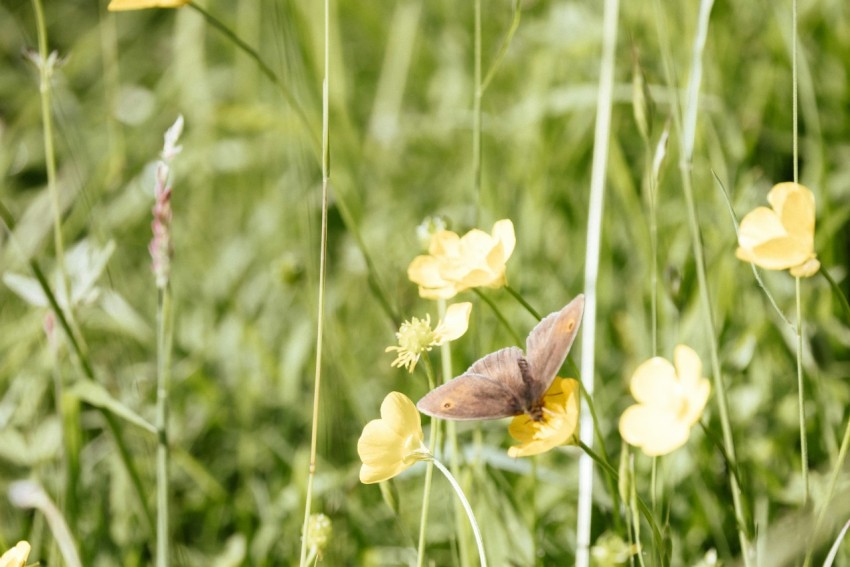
472, 111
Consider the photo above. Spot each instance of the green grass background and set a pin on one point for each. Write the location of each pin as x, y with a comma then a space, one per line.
247, 211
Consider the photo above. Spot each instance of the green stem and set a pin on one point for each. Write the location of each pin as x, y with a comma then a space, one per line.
687, 129
45, 67
801, 400
503, 49
533, 498
612, 486
265, 69
837, 291
451, 431
163, 541
465, 503
756, 272
433, 442
320, 315
615, 477
523, 302
499, 316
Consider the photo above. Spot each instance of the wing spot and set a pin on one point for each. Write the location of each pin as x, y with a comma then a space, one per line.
447, 405
571, 324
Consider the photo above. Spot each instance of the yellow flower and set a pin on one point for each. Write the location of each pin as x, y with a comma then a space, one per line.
415, 336
17, 556
782, 237
456, 263
393, 443
559, 425
120, 5
670, 401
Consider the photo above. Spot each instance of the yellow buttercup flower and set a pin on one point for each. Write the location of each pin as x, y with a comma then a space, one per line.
415, 336
559, 425
17, 556
782, 237
670, 401
393, 443
120, 5
454, 264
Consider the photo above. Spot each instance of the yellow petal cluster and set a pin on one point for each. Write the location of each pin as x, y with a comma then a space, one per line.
121, 5
559, 425
415, 336
454, 263
393, 443
17, 556
670, 401
783, 236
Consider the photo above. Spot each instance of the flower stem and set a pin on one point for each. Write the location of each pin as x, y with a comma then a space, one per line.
599, 165
465, 503
801, 400
686, 127
451, 431
523, 302
162, 453
499, 315
433, 443
320, 315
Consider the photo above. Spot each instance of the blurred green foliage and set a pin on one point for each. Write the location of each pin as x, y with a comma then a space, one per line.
246, 224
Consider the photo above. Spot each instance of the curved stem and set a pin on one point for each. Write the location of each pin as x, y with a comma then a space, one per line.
523, 302
465, 503
499, 315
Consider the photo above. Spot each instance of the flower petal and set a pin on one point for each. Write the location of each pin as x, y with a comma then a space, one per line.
120, 5
758, 226
654, 382
655, 432
503, 231
16, 556
559, 424
454, 324
400, 415
795, 206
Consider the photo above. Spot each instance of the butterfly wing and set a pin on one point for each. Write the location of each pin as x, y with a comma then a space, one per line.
492, 388
550, 341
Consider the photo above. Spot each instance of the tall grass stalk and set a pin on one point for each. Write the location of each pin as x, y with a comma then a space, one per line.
476, 112
686, 128
320, 315
163, 365
801, 401
69, 411
591, 273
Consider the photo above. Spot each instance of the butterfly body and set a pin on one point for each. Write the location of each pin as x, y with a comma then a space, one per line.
509, 382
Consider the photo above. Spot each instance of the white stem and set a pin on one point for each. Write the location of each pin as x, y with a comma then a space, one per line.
594, 234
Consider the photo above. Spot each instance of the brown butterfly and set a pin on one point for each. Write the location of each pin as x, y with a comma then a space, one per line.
507, 382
